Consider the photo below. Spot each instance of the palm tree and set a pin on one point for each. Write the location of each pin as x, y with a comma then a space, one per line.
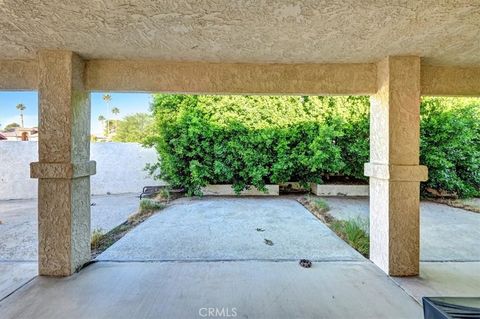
107, 98
21, 108
115, 112
102, 119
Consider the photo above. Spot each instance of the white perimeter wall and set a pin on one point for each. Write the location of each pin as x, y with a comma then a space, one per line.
120, 168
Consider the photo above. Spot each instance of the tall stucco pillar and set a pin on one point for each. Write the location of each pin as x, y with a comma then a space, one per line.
64, 167
394, 169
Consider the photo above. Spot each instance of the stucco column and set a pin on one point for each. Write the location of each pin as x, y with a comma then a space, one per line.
394, 169
64, 167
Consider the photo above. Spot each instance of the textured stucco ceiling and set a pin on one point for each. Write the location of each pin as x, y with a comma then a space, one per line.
445, 32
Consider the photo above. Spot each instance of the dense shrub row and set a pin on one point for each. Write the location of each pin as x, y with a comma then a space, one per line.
258, 140
450, 145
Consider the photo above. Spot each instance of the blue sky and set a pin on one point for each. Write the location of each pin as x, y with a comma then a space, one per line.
128, 103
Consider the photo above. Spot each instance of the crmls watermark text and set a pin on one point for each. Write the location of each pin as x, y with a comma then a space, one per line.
215, 312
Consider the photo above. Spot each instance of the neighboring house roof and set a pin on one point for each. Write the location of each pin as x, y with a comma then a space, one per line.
26, 129
17, 133
10, 134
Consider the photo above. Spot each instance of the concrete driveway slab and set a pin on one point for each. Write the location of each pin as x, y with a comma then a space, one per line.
446, 233
187, 289
18, 231
232, 229
443, 279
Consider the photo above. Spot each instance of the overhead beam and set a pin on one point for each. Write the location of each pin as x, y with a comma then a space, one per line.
19, 75
230, 78
450, 81
238, 78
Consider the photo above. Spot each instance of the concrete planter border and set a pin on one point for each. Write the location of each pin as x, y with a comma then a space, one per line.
339, 190
293, 186
274, 190
227, 190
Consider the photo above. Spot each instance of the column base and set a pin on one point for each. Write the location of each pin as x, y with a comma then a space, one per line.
395, 226
63, 216
395, 217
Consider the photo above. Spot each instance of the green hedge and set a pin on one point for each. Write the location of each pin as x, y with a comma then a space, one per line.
450, 145
258, 140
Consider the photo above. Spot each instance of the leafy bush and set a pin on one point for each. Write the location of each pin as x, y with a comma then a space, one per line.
243, 140
258, 140
450, 145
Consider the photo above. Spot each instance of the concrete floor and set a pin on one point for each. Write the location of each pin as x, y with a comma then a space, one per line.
446, 233
226, 229
208, 253
252, 289
18, 234
14, 275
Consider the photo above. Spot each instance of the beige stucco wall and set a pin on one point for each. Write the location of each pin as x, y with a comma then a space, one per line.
119, 168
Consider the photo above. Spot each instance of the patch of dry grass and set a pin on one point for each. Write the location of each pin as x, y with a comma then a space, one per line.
166, 195
458, 203
318, 207
97, 236
101, 241
351, 231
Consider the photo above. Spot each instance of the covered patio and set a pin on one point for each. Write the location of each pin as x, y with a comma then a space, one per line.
395, 52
